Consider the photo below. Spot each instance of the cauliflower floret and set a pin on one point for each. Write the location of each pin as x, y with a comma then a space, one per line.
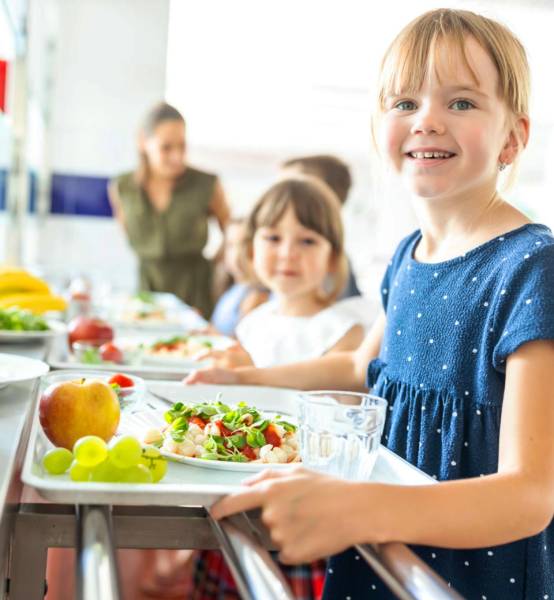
211, 429
151, 436
291, 440
289, 451
194, 429
276, 455
185, 448
264, 450
199, 450
279, 430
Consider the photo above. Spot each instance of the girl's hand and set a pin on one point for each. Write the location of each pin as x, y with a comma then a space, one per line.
212, 375
234, 356
305, 512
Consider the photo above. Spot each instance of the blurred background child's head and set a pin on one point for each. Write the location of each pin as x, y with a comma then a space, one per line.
332, 170
235, 253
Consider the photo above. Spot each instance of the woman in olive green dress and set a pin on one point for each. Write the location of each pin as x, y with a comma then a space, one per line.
164, 208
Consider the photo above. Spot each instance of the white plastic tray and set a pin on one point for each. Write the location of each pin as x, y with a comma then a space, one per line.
179, 316
58, 358
184, 484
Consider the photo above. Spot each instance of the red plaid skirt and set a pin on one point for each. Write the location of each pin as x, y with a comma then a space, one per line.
213, 579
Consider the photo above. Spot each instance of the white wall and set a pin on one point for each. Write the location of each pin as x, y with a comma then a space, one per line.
109, 69
104, 67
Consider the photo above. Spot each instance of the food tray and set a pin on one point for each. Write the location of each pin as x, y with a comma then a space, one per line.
184, 484
58, 357
178, 315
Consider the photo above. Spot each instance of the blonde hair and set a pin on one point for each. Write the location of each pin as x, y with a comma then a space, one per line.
415, 50
317, 208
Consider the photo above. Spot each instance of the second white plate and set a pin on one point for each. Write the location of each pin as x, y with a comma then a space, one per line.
14, 368
9, 336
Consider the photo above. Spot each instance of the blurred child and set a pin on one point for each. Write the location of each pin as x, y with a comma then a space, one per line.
245, 293
463, 350
336, 174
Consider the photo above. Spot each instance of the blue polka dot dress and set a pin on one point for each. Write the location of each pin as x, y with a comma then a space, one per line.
450, 329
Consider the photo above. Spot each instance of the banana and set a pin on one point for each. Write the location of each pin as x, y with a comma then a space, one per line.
13, 281
37, 303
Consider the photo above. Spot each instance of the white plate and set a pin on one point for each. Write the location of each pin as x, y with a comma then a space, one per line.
56, 328
218, 342
269, 400
178, 315
14, 368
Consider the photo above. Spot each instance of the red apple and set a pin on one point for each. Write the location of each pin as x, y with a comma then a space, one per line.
89, 329
111, 353
70, 410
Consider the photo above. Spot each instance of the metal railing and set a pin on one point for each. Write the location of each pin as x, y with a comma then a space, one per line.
97, 577
257, 575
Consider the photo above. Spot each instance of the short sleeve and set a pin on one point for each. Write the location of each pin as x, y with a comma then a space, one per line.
404, 247
525, 304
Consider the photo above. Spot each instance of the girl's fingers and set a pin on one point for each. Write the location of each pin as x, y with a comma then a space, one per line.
213, 375
239, 502
194, 377
262, 476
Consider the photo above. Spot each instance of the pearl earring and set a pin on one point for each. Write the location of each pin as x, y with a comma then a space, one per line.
502, 166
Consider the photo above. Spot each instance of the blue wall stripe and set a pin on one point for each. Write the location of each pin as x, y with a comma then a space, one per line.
79, 195
70, 194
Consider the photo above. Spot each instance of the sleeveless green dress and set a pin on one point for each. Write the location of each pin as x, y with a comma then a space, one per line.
169, 244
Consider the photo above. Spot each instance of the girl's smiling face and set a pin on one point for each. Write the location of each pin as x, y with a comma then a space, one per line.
448, 138
290, 259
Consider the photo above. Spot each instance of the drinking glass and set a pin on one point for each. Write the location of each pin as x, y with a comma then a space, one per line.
340, 432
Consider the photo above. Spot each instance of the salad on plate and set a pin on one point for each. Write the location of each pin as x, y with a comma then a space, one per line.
214, 431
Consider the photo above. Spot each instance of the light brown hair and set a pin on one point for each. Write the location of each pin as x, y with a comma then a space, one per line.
159, 113
332, 170
316, 207
415, 51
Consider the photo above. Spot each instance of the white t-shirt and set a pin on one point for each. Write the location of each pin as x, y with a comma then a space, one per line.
272, 339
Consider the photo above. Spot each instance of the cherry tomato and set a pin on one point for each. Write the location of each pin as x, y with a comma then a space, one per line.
121, 380
198, 421
224, 431
271, 436
249, 452
110, 352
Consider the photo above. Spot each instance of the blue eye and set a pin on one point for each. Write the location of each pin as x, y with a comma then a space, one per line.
462, 105
405, 105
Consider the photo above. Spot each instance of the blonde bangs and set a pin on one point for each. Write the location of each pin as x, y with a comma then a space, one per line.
415, 51
413, 55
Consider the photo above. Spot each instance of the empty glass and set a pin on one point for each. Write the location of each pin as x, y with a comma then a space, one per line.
340, 432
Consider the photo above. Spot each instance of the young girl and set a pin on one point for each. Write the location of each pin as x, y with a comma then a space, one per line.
463, 351
295, 237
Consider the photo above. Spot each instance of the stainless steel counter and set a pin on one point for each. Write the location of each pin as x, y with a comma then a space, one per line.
16, 408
